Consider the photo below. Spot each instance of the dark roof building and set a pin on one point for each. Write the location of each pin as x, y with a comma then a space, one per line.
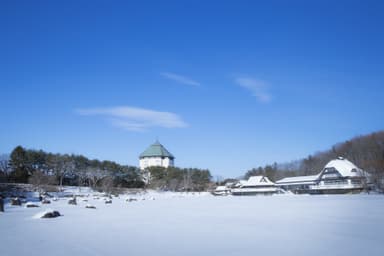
156, 155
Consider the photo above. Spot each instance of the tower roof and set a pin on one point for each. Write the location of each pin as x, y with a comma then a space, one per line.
156, 150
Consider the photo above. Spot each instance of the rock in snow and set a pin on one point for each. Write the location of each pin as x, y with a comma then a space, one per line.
72, 201
45, 201
31, 205
49, 213
52, 214
15, 201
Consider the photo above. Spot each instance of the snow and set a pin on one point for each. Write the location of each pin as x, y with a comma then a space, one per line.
199, 224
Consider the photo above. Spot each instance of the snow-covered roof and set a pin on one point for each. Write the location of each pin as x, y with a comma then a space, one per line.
258, 181
345, 167
298, 179
221, 188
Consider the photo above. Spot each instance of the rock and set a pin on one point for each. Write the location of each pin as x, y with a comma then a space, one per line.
45, 201
89, 206
46, 194
52, 214
72, 201
108, 201
131, 199
31, 205
15, 201
1, 204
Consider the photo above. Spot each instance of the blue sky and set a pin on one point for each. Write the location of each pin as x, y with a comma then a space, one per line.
224, 85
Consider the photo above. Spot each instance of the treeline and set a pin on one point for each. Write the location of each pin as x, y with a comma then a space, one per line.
177, 179
366, 152
42, 168
271, 171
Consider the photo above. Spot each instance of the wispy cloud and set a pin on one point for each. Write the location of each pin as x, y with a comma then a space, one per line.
180, 79
257, 87
136, 119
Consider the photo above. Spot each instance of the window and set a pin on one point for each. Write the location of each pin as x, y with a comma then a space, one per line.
335, 182
330, 170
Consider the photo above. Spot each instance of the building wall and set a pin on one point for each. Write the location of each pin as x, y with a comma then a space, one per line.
155, 161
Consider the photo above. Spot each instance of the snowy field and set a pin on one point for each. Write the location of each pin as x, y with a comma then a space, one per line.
199, 224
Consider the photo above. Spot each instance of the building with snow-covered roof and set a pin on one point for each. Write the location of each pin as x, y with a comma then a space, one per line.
221, 191
298, 184
255, 185
338, 176
156, 155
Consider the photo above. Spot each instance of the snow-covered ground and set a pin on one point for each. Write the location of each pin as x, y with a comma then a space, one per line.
199, 224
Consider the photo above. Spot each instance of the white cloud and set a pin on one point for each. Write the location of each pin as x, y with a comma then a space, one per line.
257, 87
180, 79
136, 119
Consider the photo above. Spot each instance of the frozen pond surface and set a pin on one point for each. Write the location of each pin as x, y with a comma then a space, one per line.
200, 225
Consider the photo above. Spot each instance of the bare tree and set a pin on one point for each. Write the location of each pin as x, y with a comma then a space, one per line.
4, 166
39, 179
94, 175
187, 181
107, 184
62, 166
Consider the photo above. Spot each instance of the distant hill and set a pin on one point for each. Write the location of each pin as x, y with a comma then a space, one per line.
366, 151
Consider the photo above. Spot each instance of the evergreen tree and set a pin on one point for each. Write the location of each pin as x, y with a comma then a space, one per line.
19, 164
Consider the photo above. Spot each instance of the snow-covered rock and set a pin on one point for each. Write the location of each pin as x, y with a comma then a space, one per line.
72, 201
48, 213
31, 205
52, 214
45, 201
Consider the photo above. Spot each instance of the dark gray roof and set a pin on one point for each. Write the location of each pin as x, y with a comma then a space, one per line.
156, 149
